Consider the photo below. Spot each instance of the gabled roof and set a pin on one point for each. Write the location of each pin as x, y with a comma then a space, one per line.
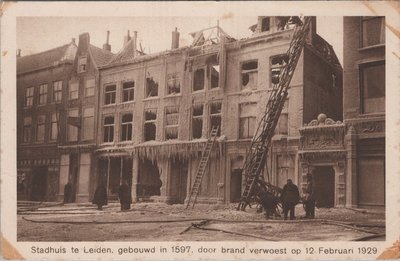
47, 58
100, 56
126, 54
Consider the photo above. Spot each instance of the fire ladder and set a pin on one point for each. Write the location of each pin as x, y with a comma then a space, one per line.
202, 166
257, 154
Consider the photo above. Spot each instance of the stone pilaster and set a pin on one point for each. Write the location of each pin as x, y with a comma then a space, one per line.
351, 177
135, 176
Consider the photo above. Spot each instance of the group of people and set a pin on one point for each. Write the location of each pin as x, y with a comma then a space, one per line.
124, 194
289, 198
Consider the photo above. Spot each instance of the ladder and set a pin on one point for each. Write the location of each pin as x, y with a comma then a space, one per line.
202, 166
257, 154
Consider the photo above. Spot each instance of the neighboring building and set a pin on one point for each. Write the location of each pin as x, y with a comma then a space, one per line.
78, 143
157, 110
42, 81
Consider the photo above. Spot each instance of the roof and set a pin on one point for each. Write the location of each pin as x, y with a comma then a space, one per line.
47, 58
100, 56
126, 54
326, 50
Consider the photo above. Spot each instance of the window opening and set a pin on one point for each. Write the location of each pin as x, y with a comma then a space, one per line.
89, 87
40, 130
42, 94
27, 129
110, 94
29, 96
54, 126
151, 87
171, 123
373, 31
249, 75
88, 124
128, 91
73, 90
126, 126
150, 124
215, 116
198, 79
197, 121
372, 79
173, 84
247, 120
108, 129
57, 91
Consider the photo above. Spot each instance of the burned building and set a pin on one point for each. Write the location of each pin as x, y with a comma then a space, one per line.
42, 81
156, 111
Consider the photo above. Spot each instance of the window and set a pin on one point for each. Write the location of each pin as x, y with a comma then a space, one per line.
110, 92
197, 121
128, 91
89, 87
198, 80
215, 116
171, 123
40, 129
265, 24
108, 129
247, 120
126, 127
214, 73
88, 124
249, 75
373, 31
54, 126
27, 129
73, 124
151, 87
150, 117
173, 84
372, 79
57, 91
82, 61
73, 90
42, 94
277, 63
282, 124
29, 96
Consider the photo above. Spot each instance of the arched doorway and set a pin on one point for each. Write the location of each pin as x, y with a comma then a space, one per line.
324, 182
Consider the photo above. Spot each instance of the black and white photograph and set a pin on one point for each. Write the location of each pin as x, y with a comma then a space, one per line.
224, 129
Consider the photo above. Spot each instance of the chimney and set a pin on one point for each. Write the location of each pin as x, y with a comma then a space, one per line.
175, 39
107, 45
127, 38
134, 43
18, 52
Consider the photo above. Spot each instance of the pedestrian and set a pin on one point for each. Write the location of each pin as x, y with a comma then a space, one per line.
309, 198
269, 203
100, 196
68, 193
125, 197
290, 197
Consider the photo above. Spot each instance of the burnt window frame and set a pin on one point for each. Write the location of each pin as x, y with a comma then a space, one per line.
173, 77
242, 87
107, 126
210, 67
73, 112
361, 40
361, 67
126, 124
171, 126
146, 87
275, 66
211, 115
149, 121
262, 24
128, 90
194, 117
40, 123
43, 94
204, 68
110, 97
27, 130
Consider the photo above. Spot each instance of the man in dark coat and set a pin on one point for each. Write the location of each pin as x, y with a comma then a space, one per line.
68, 193
125, 197
309, 199
290, 197
100, 196
269, 203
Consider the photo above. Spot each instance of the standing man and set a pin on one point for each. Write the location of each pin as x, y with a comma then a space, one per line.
125, 197
309, 199
290, 197
100, 196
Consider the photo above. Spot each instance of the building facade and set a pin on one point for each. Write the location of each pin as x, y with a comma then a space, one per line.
42, 81
156, 111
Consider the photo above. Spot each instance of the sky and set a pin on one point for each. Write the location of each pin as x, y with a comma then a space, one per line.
37, 34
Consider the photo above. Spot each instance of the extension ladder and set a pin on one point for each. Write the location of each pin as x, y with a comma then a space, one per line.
202, 166
257, 154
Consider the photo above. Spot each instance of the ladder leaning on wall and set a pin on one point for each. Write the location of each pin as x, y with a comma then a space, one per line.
257, 154
201, 169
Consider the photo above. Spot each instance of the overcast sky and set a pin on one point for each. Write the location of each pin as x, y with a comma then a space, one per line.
37, 34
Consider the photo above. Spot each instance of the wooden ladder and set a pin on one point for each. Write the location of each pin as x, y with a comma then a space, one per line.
202, 166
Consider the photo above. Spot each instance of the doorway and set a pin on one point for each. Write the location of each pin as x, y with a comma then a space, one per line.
236, 185
73, 174
179, 177
149, 179
39, 183
324, 182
